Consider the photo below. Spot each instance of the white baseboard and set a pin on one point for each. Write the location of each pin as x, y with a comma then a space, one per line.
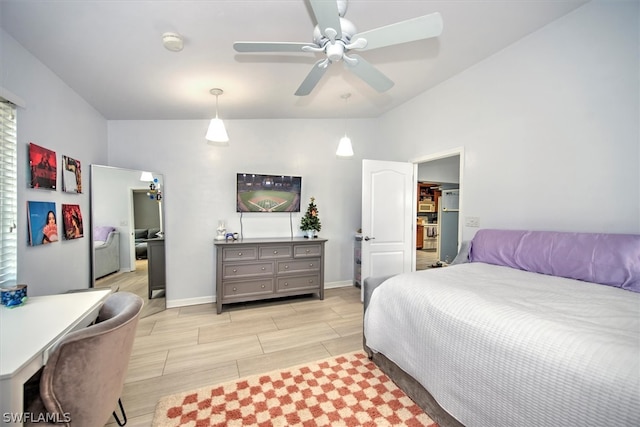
190, 301
212, 298
340, 284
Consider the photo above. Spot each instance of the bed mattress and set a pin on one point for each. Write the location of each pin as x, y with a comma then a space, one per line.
497, 346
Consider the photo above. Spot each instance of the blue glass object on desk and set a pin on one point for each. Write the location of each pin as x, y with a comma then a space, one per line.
13, 297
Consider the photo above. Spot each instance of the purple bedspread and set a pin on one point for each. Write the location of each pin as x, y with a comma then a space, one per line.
607, 259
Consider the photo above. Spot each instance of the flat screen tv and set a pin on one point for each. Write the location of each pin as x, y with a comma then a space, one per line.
268, 193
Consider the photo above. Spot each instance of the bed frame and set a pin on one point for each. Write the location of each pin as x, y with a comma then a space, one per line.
413, 389
406, 382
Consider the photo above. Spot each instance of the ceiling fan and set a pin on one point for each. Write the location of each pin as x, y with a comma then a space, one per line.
335, 36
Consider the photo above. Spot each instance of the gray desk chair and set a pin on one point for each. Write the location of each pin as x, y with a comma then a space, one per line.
83, 379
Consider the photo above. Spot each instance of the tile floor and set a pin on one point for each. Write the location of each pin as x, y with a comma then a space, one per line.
190, 347
424, 259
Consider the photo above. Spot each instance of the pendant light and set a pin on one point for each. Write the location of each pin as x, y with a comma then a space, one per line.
344, 146
146, 176
217, 131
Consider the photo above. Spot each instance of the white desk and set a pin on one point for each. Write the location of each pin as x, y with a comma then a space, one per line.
28, 333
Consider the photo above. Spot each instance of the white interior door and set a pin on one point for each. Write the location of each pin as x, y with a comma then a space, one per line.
388, 218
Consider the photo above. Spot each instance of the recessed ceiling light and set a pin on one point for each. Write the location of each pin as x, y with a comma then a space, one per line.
172, 41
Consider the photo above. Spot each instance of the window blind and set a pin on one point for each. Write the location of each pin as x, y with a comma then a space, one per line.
8, 194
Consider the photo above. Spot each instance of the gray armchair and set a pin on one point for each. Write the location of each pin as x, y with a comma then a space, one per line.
82, 381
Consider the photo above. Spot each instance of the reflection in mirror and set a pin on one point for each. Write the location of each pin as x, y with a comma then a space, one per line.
128, 233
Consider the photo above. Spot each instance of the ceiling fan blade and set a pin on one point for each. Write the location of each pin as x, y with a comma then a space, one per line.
422, 27
369, 74
270, 46
312, 78
327, 15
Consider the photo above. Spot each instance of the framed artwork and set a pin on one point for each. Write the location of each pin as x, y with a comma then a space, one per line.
71, 175
42, 222
43, 165
72, 222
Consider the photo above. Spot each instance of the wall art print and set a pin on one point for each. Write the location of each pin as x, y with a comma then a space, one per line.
72, 222
43, 165
71, 175
43, 226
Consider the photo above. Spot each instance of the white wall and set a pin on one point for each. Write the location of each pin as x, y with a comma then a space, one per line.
55, 117
549, 125
200, 187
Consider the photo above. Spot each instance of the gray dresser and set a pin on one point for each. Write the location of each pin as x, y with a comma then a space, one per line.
156, 267
257, 269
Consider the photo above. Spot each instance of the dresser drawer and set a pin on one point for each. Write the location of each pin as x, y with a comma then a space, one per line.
298, 265
230, 271
310, 282
247, 288
274, 252
306, 250
240, 253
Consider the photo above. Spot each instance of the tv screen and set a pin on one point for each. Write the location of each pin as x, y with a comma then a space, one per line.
268, 193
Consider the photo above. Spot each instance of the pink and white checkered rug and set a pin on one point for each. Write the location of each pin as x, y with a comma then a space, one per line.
348, 390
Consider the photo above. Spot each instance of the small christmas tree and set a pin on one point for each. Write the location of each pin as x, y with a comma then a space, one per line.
310, 220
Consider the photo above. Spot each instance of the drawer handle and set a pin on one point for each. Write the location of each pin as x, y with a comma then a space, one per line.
310, 280
286, 267
263, 268
275, 252
239, 253
286, 283
235, 270
235, 289
308, 250
310, 264
262, 286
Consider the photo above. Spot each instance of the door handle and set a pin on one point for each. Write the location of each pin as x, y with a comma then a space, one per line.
367, 238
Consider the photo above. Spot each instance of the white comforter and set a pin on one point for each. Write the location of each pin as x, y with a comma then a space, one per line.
497, 346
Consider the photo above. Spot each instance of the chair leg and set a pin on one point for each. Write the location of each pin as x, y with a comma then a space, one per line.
124, 415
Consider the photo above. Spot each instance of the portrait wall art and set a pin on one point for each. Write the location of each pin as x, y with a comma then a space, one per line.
42, 223
71, 175
43, 165
72, 221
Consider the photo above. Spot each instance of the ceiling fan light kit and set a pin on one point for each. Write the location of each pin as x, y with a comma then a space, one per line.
216, 131
335, 37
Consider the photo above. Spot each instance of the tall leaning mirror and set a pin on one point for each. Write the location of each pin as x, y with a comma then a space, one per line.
127, 232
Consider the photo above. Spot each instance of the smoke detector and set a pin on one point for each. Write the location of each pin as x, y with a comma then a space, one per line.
172, 42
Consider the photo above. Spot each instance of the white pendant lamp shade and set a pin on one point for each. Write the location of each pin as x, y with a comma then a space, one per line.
146, 176
344, 147
217, 131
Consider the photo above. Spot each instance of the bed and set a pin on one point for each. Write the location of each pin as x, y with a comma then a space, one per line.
531, 328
